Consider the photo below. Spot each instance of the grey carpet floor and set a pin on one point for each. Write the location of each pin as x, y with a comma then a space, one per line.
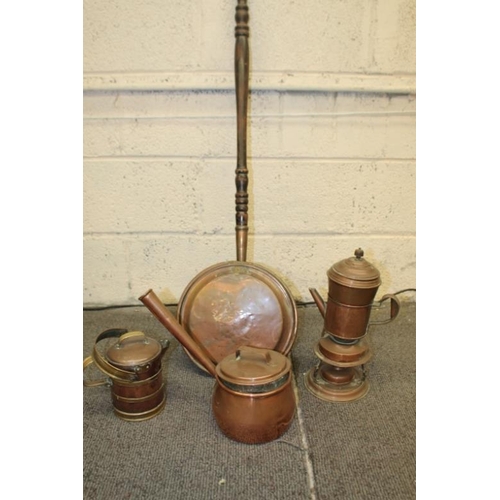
364, 449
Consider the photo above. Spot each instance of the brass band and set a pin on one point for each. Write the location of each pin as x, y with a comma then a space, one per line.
138, 383
350, 306
141, 399
145, 415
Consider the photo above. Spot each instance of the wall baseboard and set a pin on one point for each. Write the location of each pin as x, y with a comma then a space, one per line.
277, 81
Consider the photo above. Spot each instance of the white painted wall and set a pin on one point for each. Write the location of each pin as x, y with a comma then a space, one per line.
331, 141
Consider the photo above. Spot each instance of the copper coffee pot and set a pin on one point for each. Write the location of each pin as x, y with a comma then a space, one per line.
253, 399
342, 350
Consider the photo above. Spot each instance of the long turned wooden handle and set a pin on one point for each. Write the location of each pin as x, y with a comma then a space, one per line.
241, 70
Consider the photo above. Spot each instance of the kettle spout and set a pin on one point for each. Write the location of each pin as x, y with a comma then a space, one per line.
319, 301
168, 320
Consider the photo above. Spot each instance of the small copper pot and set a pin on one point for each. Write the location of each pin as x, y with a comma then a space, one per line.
253, 400
133, 365
352, 286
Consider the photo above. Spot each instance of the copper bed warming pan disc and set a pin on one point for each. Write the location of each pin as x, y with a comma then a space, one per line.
235, 303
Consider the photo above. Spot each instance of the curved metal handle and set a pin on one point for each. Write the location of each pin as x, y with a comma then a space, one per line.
93, 383
241, 72
129, 335
107, 368
112, 371
395, 307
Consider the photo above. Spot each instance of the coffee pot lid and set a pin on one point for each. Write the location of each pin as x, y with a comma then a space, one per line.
355, 272
133, 349
252, 366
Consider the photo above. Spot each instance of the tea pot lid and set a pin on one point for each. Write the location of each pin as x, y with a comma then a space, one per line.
355, 272
133, 349
252, 366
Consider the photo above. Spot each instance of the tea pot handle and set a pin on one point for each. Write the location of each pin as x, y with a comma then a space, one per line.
395, 307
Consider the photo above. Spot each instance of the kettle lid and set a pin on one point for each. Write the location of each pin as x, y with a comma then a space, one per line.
355, 272
252, 366
132, 349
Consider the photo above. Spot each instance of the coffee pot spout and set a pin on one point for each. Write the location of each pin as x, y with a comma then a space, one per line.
319, 301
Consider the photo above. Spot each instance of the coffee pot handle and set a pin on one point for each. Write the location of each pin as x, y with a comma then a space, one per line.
395, 307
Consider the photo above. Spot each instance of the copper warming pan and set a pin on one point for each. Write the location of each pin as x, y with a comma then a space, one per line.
236, 303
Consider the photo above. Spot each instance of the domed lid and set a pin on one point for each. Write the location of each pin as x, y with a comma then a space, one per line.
355, 272
133, 349
252, 366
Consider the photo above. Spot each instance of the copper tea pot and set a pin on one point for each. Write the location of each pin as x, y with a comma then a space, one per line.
352, 286
253, 399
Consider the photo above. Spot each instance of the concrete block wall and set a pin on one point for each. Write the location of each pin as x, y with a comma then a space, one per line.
331, 142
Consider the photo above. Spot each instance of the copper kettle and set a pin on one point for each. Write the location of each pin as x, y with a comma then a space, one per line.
133, 366
253, 399
352, 286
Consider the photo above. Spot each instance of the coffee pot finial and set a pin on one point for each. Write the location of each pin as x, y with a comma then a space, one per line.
359, 253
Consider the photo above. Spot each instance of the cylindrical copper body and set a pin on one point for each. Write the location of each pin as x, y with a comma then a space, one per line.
346, 321
254, 418
352, 286
143, 397
134, 367
351, 295
139, 400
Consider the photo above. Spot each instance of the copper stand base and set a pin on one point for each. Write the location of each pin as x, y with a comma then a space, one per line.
333, 353
321, 382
